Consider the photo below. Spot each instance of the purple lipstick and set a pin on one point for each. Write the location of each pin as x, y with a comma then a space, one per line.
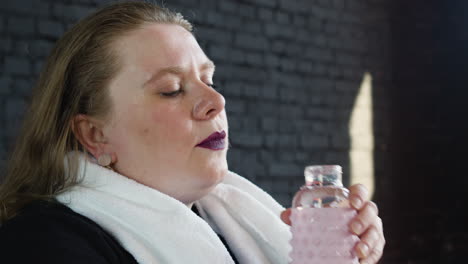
215, 141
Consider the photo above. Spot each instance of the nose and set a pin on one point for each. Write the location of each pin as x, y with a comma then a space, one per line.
208, 105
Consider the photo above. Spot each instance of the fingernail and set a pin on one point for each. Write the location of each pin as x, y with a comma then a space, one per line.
356, 227
356, 202
363, 250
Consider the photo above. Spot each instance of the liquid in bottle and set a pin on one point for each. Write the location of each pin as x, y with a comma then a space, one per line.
320, 218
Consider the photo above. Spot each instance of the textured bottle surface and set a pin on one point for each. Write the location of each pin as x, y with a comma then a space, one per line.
320, 218
321, 236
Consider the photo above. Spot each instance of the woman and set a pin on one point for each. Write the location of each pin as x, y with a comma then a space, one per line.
122, 157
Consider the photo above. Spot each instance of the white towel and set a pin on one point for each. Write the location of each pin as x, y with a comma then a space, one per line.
156, 228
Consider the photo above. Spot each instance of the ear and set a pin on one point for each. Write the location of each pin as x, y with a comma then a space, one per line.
90, 134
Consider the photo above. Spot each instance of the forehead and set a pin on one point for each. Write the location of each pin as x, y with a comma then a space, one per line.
156, 46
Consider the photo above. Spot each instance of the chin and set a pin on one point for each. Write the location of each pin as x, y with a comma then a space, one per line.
216, 176
204, 185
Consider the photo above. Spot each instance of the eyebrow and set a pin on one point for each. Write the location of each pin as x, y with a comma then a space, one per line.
177, 70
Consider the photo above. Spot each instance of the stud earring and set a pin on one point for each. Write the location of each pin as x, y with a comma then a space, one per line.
105, 160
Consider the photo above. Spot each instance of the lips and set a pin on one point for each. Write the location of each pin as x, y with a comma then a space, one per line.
215, 141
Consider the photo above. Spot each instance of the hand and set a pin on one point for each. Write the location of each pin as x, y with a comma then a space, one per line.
367, 225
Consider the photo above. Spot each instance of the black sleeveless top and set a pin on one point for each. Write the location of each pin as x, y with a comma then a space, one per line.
47, 232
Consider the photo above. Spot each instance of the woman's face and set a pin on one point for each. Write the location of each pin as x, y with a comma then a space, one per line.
163, 106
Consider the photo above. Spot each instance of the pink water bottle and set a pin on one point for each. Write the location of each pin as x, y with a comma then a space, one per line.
320, 219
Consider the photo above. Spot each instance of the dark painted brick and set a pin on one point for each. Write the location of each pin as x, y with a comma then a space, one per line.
5, 83
20, 25
51, 28
232, 22
269, 91
235, 123
5, 44
287, 156
287, 141
267, 109
41, 48
269, 124
23, 87
299, 20
228, 6
318, 113
331, 27
213, 35
277, 30
271, 141
314, 142
233, 88
305, 67
317, 54
17, 6
299, 6
290, 111
28, 7
325, 3
14, 65
284, 169
340, 141
15, 108
265, 14
236, 106
250, 123
248, 74
219, 52
339, 4
252, 26
268, 3
346, 86
356, 5
251, 91
71, 13
22, 48
279, 46
314, 23
272, 61
237, 56
295, 49
246, 140
247, 10
325, 13
288, 65
38, 65
266, 156
348, 17
334, 72
251, 41
347, 59
282, 17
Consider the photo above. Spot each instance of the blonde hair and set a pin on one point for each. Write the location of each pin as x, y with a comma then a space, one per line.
73, 81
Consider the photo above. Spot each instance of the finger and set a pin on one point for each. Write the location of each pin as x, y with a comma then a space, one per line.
369, 240
366, 217
285, 215
358, 195
375, 254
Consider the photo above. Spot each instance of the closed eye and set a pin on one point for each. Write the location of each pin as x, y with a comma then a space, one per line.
172, 94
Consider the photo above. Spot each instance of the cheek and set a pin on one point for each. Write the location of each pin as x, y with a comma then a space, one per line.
170, 123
